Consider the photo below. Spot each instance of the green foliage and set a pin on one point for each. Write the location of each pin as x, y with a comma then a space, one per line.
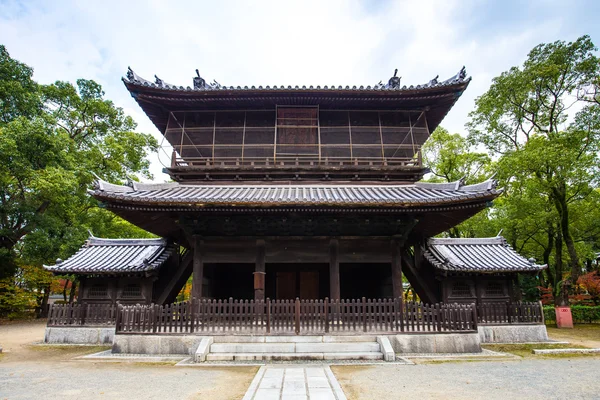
19, 94
15, 300
49, 154
54, 139
547, 159
451, 157
581, 314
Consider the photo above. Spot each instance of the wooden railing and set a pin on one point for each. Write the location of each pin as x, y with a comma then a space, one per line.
504, 313
296, 161
82, 314
231, 316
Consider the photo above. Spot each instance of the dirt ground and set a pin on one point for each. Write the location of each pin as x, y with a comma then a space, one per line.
52, 372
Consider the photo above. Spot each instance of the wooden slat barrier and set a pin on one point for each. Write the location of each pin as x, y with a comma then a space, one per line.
82, 314
501, 313
232, 316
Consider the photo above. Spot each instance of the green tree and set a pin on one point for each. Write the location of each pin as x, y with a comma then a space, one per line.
49, 153
450, 157
543, 151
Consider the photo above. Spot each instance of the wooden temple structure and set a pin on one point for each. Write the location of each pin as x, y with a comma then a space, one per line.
296, 192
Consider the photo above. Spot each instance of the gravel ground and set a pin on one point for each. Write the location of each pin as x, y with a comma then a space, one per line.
560, 378
51, 372
85, 380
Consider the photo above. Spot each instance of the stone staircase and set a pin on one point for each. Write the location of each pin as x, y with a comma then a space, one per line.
290, 348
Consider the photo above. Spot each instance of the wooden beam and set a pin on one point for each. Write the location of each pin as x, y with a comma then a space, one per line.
334, 270
259, 271
396, 249
198, 268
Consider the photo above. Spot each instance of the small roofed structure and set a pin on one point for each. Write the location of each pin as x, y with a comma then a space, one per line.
477, 269
112, 270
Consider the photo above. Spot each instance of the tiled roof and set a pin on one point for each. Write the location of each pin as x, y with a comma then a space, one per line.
115, 256
134, 79
418, 194
483, 255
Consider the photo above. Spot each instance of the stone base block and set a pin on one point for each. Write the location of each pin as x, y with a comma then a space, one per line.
156, 344
436, 343
80, 335
512, 333
386, 348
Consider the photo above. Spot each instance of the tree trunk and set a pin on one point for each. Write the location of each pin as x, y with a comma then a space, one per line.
560, 203
64, 291
559, 292
72, 292
546, 256
43, 313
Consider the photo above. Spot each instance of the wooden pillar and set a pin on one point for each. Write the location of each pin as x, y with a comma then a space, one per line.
334, 270
259, 271
396, 268
198, 268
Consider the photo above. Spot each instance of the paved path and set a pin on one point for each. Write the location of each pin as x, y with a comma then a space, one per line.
295, 383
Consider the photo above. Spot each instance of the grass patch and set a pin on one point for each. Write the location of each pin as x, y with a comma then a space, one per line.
68, 348
580, 332
526, 350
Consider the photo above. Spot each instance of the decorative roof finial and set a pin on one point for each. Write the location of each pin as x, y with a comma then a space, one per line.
130, 74
159, 81
394, 82
434, 81
199, 83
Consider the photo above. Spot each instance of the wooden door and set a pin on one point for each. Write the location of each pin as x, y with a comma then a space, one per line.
309, 284
285, 285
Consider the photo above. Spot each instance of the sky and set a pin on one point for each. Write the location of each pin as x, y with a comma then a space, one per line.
285, 42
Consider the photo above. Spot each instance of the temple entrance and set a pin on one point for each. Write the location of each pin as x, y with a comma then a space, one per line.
289, 281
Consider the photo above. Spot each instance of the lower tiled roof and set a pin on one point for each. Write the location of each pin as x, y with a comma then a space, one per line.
419, 194
115, 256
481, 255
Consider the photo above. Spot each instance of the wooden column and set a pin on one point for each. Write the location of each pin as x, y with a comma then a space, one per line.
198, 268
334, 270
396, 268
259, 271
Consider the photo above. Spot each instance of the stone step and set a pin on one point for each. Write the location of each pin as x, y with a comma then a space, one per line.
293, 339
294, 347
293, 356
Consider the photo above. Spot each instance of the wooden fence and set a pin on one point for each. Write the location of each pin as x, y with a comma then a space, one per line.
82, 314
231, 316
502, 313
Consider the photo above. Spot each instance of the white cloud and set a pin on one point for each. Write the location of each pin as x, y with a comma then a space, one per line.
264, 43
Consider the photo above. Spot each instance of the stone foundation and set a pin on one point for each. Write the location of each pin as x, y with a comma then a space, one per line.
156, 344
436, 343
512, 333
80, 335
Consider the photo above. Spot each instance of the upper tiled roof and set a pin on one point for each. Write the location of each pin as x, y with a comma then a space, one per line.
482, 255
134, 79
418, 194
115, 256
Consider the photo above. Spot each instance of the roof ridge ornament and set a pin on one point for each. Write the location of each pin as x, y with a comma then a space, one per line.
199, 82
460, 76
159, 81
434, 81
394, 82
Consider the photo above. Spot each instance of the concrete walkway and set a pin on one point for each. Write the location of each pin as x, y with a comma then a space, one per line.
280, 382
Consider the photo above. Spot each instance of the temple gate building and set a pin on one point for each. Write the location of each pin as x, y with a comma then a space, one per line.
297, 211
308, 192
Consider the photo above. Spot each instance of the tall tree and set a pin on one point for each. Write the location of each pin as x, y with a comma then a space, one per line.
49, 153
524, 120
